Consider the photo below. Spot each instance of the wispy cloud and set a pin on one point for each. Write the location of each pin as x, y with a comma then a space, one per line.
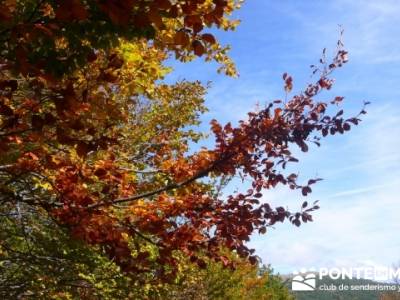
368, 189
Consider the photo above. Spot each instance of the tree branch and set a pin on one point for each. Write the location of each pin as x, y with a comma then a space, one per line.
155, 192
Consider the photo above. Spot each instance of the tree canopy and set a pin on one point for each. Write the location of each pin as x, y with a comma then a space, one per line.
96, 176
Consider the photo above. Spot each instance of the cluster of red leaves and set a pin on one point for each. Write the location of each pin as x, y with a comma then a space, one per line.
255, 149
194, 221
189, 220
179, 215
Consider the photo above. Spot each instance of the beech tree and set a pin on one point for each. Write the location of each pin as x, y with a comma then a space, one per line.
95, 146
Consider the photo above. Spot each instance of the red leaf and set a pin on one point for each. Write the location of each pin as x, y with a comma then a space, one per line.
306, 190
288, 83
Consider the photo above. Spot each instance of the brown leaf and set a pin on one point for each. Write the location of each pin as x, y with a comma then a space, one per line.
70, 10
37, 122
181, 38
100, 172
5, 110
162, 4
201, 263
306, 190
155, 18
82, 149
198, 48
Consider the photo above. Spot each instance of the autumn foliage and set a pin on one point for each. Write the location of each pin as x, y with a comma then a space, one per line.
92, 139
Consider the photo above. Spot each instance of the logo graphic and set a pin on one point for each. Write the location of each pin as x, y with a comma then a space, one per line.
303, 282
306, 279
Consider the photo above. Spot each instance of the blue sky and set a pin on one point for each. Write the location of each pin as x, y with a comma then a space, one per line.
358, 223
